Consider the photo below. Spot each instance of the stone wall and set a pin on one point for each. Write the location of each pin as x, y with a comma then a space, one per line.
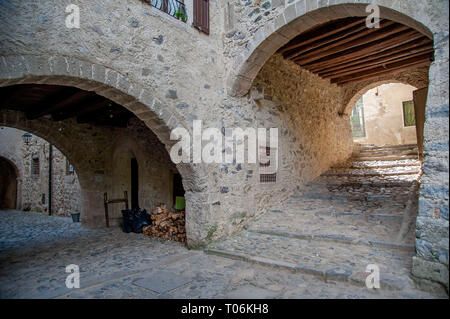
92, 150
33, 193
313, 135
155, 169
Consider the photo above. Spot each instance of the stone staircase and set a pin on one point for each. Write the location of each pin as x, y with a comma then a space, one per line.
357, 214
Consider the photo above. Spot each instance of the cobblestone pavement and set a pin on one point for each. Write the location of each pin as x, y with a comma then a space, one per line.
359, 214
35, 249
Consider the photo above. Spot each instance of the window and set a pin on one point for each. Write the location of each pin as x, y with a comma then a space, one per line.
175, 8
409, 118
35, 167
201, 15
267, 166
357, 119
69, 168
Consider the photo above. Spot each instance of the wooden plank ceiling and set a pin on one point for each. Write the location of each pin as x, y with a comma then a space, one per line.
63, 102
346, 51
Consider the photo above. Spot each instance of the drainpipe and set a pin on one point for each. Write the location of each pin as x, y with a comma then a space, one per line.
50, 159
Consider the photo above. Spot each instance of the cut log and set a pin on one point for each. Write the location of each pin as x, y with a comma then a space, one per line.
167, 225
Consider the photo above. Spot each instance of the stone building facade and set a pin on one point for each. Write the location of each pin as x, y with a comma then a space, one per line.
383, 113
168, 74
31, 161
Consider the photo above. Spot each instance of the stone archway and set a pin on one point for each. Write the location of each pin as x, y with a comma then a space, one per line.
301, 16
417, 78
8, 184
161, 119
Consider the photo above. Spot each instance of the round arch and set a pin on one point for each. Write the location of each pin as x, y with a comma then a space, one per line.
69, 71
298, 18
9, 180
426, 17
360, 89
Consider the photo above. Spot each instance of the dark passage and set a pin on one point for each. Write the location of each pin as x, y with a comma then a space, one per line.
178, 189
8, 185
134, 184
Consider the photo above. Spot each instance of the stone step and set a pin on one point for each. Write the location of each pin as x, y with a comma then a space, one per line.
335, 238
387, 147
384, 158
357, 209
377, 165
365, 180
385, 153
368, 217
346, 184
371, 172
381, 225
329, 261
354, 197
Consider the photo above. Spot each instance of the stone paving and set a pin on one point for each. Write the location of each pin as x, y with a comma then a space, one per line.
36, 248
352, 216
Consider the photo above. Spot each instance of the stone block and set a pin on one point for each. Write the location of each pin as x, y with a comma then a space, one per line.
431, 229
162, 281
60, 66
38, 65
433, 271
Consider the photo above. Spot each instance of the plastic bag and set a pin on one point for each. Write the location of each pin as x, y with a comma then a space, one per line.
135, 219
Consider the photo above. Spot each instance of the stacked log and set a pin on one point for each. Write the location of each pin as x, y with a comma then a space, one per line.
167, 225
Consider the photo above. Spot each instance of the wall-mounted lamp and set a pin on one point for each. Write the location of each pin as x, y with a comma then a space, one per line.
26, 138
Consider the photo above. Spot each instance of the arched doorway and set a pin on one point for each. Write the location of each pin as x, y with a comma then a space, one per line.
307, 42
8, 184
294, 22
85, 126
385, 115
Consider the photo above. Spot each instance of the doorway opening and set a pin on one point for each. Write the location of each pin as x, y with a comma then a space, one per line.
389, 114
8, 184
178, 190
134, 183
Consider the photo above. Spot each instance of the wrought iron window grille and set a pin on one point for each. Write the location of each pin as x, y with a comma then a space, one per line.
175, 8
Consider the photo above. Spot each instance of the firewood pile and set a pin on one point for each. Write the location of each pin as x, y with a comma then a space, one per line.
167, 225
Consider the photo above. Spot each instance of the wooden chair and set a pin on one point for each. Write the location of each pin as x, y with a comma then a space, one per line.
114, 201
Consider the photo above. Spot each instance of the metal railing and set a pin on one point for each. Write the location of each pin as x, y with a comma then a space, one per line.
174, 8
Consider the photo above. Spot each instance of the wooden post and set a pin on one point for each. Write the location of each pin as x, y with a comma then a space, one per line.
125, 196
105, 198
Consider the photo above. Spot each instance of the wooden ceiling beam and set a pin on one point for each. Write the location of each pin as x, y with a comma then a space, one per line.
326, 41
9, 94
415, 45
402, 67
296, 44
90, 116
378, 46
376, 63
367, 39
67, 98
63, 102
95, 103
345, 41
104, 114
